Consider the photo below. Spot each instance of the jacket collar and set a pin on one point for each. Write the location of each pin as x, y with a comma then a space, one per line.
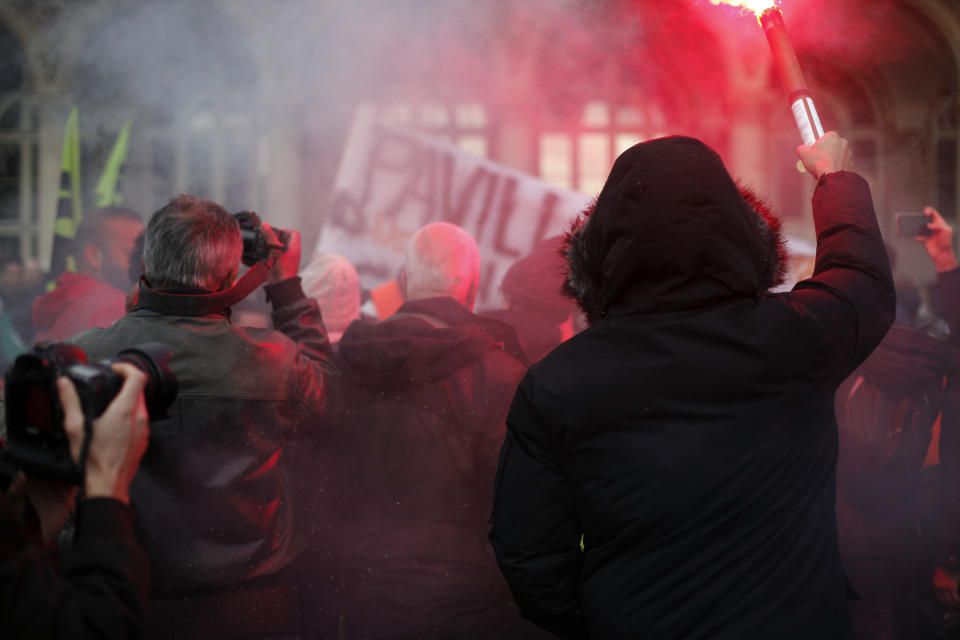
453, 314
204, 303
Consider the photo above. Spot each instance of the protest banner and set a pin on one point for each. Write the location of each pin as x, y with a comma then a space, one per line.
392, 181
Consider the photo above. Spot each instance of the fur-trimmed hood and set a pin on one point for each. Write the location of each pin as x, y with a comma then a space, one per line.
671, 231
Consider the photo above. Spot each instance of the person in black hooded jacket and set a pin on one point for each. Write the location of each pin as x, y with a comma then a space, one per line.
426, 392
689, 435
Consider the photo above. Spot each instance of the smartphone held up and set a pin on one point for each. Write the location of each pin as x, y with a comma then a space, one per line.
912, 225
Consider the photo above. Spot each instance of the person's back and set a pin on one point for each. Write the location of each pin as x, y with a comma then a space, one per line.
211, 496
689, 433
425, 395
208, 487
713, 506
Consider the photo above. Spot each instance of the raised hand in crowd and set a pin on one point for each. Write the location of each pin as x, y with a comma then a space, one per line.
286, 263
939, 244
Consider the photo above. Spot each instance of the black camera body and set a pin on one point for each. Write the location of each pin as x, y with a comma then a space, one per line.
255, 247
36, 440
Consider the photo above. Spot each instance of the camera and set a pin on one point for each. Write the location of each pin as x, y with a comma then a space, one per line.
255, 247
36, 440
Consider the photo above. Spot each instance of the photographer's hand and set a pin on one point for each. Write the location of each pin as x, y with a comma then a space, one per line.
828, 154
939, 244
286, 264
119, 435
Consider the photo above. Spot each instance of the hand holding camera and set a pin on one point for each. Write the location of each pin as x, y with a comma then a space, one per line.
43, 435
117, 444
119, 437
287, 261
262, 242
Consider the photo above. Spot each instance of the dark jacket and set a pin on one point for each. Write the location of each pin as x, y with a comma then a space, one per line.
425, 394
886, 411
689, 434
538, 334
211, 496
99, 590
78, 303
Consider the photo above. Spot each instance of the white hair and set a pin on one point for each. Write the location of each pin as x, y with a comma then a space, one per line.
442, 260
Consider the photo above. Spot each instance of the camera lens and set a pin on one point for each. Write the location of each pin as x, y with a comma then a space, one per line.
153, 358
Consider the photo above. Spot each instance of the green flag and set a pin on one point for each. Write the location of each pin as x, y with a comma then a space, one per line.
69, 205
108, 194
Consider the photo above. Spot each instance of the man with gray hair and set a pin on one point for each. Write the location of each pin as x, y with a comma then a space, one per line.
211, 496
425, 397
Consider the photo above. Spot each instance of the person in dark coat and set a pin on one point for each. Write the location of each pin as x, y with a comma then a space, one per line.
897, 536
98, 585
946, 548
426, 393
214, 496
688, 435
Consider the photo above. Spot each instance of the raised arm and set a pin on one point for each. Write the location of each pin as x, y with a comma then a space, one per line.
294, 314
851, 293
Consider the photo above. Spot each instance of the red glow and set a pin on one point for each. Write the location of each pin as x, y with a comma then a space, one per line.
757, 6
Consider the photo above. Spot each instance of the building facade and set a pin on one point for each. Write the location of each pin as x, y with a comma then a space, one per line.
248, 102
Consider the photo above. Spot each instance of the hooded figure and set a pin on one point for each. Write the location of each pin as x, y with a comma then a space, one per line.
688, 435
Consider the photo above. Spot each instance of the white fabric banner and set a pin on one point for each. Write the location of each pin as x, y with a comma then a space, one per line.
392, 181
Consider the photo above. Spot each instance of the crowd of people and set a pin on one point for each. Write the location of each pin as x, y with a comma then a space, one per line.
650, 439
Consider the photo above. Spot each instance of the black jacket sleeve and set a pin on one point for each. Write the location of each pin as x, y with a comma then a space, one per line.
851, 293
102, 587
298, 317
535, 529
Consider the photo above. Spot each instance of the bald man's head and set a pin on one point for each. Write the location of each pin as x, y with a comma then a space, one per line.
442, 260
